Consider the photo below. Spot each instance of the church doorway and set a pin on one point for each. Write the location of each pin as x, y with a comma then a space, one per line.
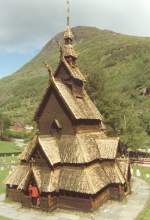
32, 192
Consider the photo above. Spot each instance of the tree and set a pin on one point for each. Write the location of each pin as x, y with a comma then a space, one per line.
120, 115
4, 124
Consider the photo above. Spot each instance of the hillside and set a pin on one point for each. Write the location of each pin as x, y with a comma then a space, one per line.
21, 92
117, 68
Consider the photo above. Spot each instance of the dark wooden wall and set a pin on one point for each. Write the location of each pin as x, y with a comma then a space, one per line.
100, 198
73, 201
54, 110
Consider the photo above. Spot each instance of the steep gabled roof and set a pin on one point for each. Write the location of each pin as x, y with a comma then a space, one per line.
50, 148
47, 180
82, 108
28, 150
68, 50
79, 108
73, 70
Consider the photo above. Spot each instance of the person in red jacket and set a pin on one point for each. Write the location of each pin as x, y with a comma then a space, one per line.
34, 195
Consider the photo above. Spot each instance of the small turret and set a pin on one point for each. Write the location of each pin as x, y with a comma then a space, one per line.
68, 50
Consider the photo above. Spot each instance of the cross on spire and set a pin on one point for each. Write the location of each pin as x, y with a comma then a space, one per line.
67, 49
68, 12
68, 35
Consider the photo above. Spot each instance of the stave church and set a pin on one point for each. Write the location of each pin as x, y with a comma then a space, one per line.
71, 160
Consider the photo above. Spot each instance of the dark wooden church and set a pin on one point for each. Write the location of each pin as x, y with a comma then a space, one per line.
71, 160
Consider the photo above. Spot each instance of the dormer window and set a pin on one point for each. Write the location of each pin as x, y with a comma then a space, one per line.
56, 127
71, 61
77, 89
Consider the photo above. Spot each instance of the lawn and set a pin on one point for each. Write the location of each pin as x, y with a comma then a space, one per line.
4, 170
3, 218
8, 147
145, 174
3, 175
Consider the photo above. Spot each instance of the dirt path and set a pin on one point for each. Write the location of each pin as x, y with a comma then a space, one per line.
126, 210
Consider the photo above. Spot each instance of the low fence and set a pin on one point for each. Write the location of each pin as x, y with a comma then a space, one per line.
139, 157
138, 154
9, 154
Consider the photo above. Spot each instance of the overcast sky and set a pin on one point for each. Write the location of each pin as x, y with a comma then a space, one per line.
26, 25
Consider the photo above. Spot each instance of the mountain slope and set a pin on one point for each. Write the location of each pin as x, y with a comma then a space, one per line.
21, 92
117, 68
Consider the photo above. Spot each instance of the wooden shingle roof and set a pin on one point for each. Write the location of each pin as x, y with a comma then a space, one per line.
123, 164
28, 150
89, 180
50, 147
107, 147
47, 180
81, 108
73, 70
68, 33
17, 177
74, 149
68, 50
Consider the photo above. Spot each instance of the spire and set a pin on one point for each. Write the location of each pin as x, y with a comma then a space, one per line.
68, 50
68, 13
68, 33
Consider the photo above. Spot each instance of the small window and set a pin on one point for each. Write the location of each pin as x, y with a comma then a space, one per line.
56, 127
77, 91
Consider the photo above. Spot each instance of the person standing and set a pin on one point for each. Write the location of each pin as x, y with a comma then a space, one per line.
34, 195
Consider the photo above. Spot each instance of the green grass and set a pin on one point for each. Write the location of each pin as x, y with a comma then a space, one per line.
3, 175
4, 218
145, 214
16, 134
8, 147
4, 172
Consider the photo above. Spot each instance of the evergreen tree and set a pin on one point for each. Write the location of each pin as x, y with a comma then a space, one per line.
120, 115
4, 124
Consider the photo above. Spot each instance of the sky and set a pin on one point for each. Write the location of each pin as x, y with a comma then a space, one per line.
27, 25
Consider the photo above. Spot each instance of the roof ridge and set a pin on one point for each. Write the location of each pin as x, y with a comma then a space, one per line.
45, 151
95, 114
69, 69
24, 178
105, 173
62, 98
81, 147
117, 165
41, 145
117, 162
30, 144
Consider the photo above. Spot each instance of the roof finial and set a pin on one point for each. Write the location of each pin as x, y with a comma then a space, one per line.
68, 33
68, 12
